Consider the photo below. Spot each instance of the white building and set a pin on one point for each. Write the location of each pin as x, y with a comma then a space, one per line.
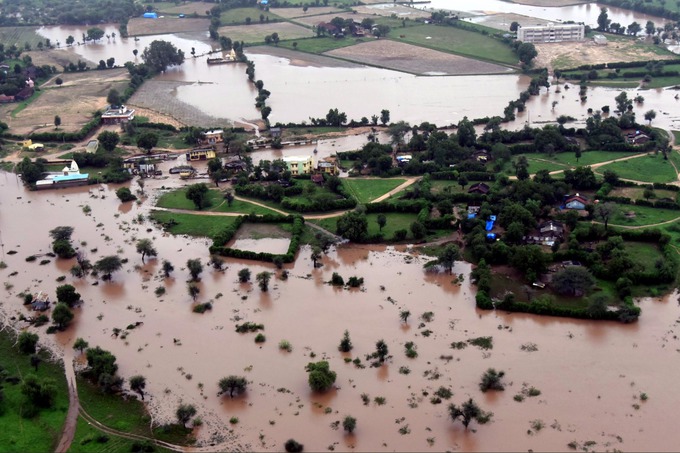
551, 33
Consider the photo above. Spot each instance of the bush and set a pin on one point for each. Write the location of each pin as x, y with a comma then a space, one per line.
124, 194
293, 446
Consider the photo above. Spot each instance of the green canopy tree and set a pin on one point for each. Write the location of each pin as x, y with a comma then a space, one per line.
159, 55
231, 384
198, 193
145, 247
147, 141
62, 316
320, 378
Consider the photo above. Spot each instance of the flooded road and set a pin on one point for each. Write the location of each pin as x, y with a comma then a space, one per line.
590, 375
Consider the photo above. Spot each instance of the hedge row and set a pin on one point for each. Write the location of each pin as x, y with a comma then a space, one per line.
623, 314
218, 247
160, 126
411, 206
621, 64
316, 206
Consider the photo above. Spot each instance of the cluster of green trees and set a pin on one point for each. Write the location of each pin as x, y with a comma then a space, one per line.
51, 12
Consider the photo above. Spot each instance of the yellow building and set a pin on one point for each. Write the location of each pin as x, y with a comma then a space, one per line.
299, 165
201, 154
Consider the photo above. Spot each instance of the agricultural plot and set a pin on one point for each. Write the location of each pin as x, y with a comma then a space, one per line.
651, 168
645, 254
637, 193
455, 40
192, 224
19, 36
640, 216
199, 8
75, 102
256, 33
388, 9
177, 199
587, 157
291, 13
416, 60
367, 190
237, 16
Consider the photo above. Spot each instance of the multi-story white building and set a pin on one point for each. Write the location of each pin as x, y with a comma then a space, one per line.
551, 33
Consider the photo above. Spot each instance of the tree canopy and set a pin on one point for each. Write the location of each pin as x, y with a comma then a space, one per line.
321, 377
162, 54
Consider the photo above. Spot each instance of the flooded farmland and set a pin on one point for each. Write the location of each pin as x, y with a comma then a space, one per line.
590, 375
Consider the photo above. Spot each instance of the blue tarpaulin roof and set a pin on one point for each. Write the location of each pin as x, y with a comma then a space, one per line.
489, 225
150, 15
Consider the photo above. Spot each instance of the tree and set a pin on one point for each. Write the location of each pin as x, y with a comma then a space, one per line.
198, 193
449, 256
138, 384
491, 380
70, 40
184, 413
68, 295
162, 54
650, 28
605, 211
418, 230
145, 247
381, 30
124, 194
514, 26
345, 343
463, 181
95, 33
62, 316
167, 268
232, 384
603, 20
147, 141
573, 280
381, 351
193, 290
195, 268
135, 52
384, 117
57, 121
650, 115
110, 62
349, 424
113, 98
244, 275
263, 280
526, 52
101, 362
320, 378
404, 315
27, 342
381, 219
316, 255
108, 265
467, 136
59, 81
109, 140
648, 192
80, 344
469, 411
40, 392
634, 28
597, 305
352, 225
293, 446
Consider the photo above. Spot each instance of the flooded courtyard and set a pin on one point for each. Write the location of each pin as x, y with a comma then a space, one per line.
591, 375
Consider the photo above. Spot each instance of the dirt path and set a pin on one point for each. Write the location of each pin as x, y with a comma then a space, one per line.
411, 180
71, 422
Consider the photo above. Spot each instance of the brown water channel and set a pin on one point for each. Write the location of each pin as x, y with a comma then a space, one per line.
590, 374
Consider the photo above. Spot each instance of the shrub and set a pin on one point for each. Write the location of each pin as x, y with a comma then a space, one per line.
337, 280
260, 338
124, 194
491, 380
293, 446
285, 345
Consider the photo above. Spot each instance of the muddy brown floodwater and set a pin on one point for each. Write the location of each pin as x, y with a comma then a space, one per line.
590, 375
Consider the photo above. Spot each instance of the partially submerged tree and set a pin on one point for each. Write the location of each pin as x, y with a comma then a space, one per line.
68, 295
184, 413
345, 343
195, 268
108, 265
138, 384
491, 380
349, 424
263, 280
193, 290
167, 268
80, 344
161, 54
321, 378
231, 384
146, 248
244, 275
62, 316
468, 412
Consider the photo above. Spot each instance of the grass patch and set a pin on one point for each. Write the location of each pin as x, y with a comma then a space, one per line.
177, 199
42, 432
676, 134
23, 104
458, 41
644, 253
395, 222
644, 215
367, 190
87, 439
651, 168
191, 224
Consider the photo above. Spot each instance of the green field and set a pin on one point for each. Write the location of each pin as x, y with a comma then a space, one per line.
651, 168
644, 215
177, 200
395, 221
318, 45
644, 253
367, 190
458, 41
536, 165
631, 82
89, 439
193, 224
587, 157
42, 432
237, 16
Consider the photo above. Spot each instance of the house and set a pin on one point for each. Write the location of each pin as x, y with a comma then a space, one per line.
637, 138
404, 159
4, 99
24, 94
212, 137
328, 165
480, 188
330, 29
117, 115
551, 228
299, 165
41, 301
236, 165
275, 132
552, 33
577, 202
200, 154
317, 178
481, 156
